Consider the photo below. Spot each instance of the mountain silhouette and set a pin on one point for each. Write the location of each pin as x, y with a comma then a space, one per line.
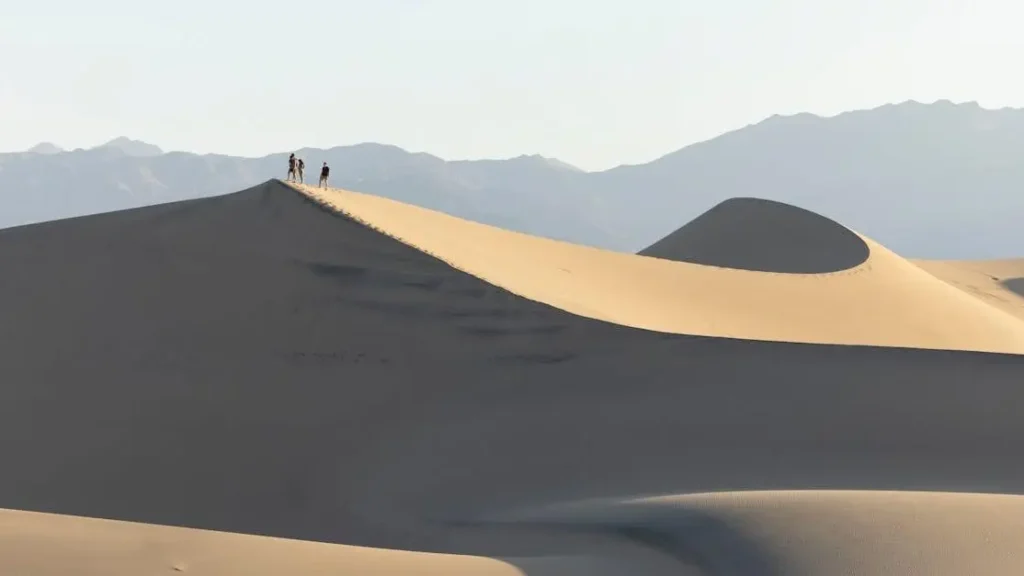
939, 180
45, 148
132, 147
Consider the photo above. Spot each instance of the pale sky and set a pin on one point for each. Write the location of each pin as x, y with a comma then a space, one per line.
595, 83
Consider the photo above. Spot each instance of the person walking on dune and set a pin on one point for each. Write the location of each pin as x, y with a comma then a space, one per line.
291, 167
324, 173
302, 167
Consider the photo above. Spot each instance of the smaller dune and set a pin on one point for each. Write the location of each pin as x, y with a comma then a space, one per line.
814, 532
763, 236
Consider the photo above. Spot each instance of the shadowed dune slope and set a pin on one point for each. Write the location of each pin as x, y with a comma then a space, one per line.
763, 236
885, 301
255, 363
816, 533
1015, 285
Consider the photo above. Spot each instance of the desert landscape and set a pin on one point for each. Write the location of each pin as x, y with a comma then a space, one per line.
309, 381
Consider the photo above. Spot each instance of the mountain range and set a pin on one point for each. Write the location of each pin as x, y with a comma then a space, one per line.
939, 180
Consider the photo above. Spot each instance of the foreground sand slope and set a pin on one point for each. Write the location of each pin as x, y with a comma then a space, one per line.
33, 544
885, 300
779, 533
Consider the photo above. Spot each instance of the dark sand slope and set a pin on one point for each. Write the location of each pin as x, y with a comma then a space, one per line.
254, 363
764, 236
1015, 285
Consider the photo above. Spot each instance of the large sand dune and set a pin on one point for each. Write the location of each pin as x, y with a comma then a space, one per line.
378, 376
882, 300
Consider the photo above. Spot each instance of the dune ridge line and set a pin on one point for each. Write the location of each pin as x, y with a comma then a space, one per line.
885, 300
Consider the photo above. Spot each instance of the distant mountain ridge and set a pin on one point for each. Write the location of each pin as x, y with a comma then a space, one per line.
133, 147
939, 180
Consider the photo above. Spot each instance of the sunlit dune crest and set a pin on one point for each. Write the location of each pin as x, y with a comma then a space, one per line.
874, 297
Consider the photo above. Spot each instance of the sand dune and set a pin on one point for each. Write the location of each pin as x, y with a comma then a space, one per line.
813, 532
260, 365
999, 283
763, 236
884, 300
34, 544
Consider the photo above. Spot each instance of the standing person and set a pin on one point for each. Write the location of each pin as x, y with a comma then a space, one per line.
302, 166
291, 167
324, 173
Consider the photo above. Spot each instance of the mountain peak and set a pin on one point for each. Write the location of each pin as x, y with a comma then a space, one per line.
131, 147
45, 148
553, 162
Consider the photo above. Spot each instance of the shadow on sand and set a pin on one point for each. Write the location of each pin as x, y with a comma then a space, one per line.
1015, 285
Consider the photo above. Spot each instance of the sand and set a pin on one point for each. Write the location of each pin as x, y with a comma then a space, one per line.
882, 300
261, 365
34, 544
763, 236
815, 532
1000, 283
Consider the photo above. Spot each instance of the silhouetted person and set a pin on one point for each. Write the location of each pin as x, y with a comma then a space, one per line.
302, 166
324, 173
291, 167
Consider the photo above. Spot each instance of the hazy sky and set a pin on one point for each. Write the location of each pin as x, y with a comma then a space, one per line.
593, 82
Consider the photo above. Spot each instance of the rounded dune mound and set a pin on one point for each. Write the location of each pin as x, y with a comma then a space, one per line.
763, 236
816, 532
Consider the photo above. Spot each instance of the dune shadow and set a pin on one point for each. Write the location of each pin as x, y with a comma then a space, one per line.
763, 236
1015, 285
527, 358
706, 542
698, 541
336, 271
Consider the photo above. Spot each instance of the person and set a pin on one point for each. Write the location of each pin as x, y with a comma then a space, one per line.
291, 167
324, 173
302, 166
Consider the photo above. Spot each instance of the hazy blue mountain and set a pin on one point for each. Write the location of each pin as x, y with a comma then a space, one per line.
45, 148
133, 147
929, 180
